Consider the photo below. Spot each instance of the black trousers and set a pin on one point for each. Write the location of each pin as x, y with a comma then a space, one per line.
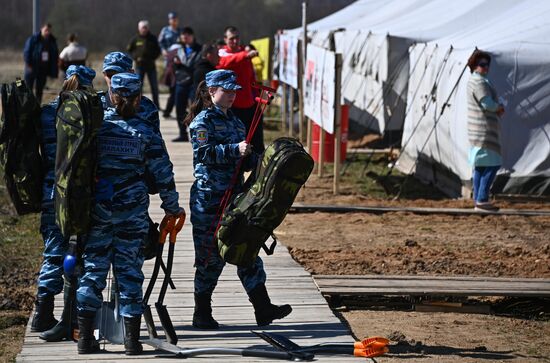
246, 115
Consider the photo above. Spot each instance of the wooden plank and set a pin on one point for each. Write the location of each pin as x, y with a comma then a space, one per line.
431, 285
303, 208
311, 321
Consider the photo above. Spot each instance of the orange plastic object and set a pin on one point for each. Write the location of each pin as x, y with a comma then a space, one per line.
371, 342
370, 352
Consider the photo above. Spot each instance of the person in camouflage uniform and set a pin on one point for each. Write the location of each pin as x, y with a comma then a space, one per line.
217, 137
128, 145
50, 278
118, 62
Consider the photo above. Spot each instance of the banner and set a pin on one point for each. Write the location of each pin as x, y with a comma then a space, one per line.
261, 66
319, 82
288, 60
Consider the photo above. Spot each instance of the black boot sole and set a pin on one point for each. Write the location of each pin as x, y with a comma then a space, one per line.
282, 314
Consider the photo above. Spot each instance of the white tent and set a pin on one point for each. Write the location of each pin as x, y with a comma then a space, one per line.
435, 142
374, 37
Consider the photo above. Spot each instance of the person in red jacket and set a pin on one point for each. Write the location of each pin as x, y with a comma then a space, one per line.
234, 57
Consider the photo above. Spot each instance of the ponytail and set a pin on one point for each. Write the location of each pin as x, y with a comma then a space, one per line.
202, 101
71, 84
125, 106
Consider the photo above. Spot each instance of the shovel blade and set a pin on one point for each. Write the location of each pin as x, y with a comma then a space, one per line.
166, 323
149, 322
111, 326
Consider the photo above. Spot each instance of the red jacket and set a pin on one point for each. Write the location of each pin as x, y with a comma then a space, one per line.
242, 66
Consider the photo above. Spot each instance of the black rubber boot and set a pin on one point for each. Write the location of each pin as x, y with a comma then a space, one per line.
264, 310
131, 337
87, 344
43, 319
202, 317
64, 329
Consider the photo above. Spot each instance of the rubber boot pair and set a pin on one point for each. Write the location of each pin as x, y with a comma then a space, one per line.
64, 329
202, 316
264, 311
87, 343
43, 318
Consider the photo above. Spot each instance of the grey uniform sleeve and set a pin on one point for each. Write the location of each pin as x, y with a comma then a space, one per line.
205, 149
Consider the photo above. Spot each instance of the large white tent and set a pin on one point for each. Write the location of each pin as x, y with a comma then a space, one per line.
402, 59
435, 140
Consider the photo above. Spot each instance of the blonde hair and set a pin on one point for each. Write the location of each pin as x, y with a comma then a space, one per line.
71, 84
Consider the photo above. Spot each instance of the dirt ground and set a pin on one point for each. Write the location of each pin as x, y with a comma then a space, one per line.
406, 243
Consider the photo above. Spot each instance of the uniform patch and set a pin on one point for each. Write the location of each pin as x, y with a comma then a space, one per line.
120, 146
202, 136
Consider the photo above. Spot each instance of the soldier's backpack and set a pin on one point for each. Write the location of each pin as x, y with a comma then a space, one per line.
20, 157
79, 118
249, 220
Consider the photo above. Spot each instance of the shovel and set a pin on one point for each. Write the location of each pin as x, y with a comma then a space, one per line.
108, 320
165, 228
174, 225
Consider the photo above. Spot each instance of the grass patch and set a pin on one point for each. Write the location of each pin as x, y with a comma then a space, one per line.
20, 259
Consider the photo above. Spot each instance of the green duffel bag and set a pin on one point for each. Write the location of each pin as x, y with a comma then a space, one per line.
20, 155
249, 220
79, 118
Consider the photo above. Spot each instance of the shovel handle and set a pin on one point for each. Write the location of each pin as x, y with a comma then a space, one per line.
179, 220
166, 226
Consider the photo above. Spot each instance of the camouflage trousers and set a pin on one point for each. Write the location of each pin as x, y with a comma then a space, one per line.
50, 277
116, 238
208, 262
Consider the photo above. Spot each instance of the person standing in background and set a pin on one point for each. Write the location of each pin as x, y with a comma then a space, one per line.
208, 62
484, 111
169, 35
257, 63
234, 57
184, 64
144, 49
40, 56
72, 54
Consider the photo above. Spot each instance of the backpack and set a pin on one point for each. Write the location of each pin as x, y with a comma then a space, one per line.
79, 118
20, 154
252, 216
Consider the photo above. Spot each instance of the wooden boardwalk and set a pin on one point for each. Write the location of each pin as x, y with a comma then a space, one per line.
311, 321
418, 285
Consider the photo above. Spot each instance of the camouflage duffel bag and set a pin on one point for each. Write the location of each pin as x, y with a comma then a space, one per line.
252, 216
79, 117
20, 158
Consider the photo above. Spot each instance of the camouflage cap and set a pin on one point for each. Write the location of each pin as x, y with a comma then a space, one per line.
126, 84
222, 78
117, 62
85, 75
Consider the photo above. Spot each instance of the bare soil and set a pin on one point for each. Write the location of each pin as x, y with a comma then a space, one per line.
408, 244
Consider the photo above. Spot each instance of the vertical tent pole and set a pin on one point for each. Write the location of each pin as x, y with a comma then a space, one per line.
301, 71
291, 113
337, 122
321, 152
35, 16
283, 107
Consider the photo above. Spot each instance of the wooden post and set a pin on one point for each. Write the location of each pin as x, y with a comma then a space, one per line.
337, 122
283, 107
321, 153
291, 113
35, 16
301, 72
308, 136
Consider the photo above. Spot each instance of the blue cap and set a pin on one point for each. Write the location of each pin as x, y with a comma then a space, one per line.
126, 84
222, 78
117, 62
172, 15
85, 75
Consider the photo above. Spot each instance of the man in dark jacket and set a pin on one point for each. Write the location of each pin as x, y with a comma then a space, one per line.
184, 65
144, 49
207, 63
40, 55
